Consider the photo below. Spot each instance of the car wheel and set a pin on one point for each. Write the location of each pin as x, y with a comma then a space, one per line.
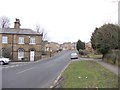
2, 63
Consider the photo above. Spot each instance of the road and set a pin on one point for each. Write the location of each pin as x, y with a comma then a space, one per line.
35, 75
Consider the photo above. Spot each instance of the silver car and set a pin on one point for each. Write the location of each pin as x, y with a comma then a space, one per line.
4, 60
74, 56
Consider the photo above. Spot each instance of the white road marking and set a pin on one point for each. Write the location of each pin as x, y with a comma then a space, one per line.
25, 70
14, 65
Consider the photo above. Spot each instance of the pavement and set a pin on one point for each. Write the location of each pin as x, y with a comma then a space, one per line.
113, 68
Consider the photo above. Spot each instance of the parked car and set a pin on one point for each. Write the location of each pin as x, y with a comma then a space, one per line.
74, 56
4, 60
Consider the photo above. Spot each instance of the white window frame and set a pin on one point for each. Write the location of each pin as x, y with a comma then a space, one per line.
32, 40
4, 39
21, 40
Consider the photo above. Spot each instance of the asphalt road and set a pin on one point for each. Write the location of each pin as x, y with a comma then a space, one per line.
35, 75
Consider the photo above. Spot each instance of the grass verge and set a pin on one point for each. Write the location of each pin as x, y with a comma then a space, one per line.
94, 56
88, 74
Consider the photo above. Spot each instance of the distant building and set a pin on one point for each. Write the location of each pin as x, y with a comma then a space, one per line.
88, 47
68, 46
74, 46
22, 44
52, 46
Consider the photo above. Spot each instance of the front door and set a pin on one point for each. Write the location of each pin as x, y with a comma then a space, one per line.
32, 55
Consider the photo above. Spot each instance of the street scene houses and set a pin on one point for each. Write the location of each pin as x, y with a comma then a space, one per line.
68, 46
53, 46
20, 44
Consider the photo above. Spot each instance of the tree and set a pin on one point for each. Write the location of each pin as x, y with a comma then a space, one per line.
105, 38
4, 22
44, 37
80, 45
41, 31
7, 52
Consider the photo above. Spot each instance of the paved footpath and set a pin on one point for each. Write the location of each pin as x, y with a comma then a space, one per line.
112, 68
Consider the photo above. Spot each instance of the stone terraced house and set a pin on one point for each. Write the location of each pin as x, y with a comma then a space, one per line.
20, 44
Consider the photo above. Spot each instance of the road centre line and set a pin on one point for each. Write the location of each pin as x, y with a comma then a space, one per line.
25, 70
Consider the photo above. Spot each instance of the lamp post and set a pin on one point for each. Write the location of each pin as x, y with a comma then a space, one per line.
50, 51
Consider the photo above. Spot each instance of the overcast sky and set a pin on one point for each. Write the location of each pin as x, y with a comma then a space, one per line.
63, 20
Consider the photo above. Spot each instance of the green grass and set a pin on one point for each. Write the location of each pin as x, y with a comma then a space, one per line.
88, 74
95, 56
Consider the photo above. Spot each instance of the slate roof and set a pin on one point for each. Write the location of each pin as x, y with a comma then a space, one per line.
18, 31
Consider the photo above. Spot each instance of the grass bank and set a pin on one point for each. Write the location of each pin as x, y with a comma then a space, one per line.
88, 74
95, 56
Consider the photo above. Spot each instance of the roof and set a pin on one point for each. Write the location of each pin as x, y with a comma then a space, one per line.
18, 31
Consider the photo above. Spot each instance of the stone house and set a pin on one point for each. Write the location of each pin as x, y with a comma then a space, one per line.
88, 47
22, 44
74, 46
67, 46
52, 46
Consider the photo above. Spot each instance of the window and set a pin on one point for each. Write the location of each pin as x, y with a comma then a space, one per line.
4, 39
21, 40
20, 54
32, 40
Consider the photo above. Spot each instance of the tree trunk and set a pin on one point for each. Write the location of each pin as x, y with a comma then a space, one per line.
103, 56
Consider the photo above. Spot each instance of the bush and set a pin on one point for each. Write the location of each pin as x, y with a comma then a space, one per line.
113, 57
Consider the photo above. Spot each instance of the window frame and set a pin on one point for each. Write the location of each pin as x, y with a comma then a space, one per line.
21, 40
4, 39
32, 40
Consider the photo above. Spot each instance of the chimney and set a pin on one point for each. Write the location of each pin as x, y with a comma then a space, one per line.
17, 24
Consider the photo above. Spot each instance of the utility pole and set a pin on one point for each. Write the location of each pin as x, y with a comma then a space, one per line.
12, 45
118, 12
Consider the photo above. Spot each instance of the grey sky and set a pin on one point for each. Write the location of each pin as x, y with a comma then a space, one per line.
64, 20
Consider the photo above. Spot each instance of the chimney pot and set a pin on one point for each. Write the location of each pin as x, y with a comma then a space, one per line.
17, 24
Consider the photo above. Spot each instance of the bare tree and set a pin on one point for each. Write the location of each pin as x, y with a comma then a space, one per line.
41, 31
4, 22
44, 37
